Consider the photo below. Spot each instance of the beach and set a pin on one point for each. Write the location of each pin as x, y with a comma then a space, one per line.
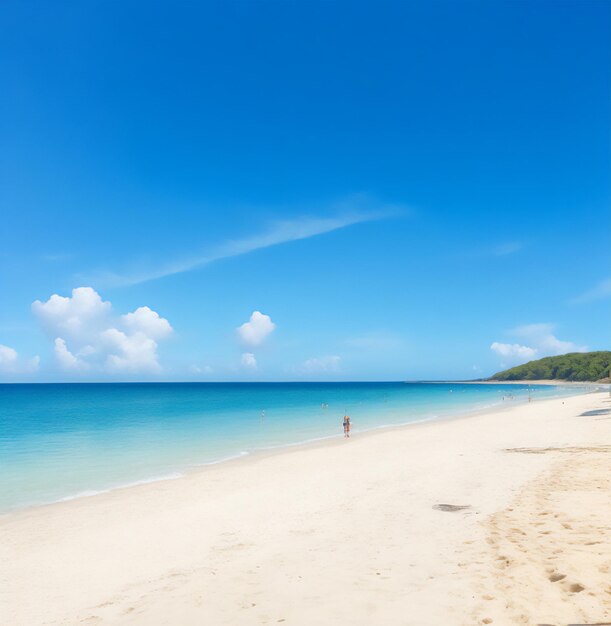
342, 532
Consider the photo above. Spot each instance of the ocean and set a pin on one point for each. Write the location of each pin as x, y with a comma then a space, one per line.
61, 441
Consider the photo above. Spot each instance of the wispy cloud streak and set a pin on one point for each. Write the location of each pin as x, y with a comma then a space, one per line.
278, 233
599, 292
504, 249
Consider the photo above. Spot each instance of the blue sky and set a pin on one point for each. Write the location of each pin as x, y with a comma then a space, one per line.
400, 190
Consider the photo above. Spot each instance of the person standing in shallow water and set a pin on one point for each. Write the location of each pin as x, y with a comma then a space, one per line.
346, 426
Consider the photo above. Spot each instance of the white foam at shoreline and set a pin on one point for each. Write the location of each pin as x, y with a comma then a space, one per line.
457, 412
89, 493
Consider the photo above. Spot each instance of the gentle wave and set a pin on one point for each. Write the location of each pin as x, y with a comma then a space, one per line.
64, 442
96, 492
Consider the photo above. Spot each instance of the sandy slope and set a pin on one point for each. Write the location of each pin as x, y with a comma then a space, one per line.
342, 533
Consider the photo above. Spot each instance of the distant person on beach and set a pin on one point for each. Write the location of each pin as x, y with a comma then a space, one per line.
346, 426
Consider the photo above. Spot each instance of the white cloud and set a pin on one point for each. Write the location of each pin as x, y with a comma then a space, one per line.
514, 351
206, 369
8, 357
254, 332
11, 363
68, 361
278, 232
147, 321
73, 317
248, 360
89, 337
321, 364
539, 341
547, 344
598, 292
130, 353
531, 330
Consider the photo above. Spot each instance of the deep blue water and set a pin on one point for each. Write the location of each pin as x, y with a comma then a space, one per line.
64, 440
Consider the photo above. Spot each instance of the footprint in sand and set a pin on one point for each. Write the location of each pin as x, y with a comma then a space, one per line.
451, 508
575, 588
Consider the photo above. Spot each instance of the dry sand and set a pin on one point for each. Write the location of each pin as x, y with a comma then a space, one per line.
342, 533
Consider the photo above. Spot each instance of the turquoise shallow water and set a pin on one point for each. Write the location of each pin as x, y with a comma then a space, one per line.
59, 441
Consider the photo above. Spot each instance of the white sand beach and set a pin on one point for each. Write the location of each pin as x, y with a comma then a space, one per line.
342, 533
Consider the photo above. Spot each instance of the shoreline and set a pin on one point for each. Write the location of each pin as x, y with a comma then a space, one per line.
267, 539
245, 457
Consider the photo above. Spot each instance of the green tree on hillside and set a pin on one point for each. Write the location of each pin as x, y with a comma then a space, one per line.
575, 366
